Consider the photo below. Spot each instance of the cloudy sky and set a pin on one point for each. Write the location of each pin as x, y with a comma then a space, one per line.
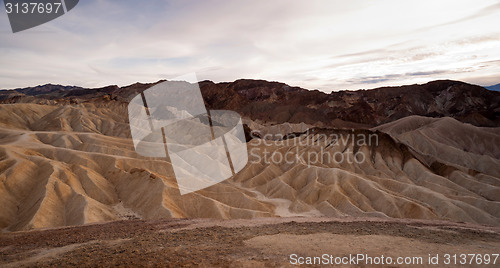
326, 45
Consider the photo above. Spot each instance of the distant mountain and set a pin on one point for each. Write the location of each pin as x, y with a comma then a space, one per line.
274, 102
494, 87
279, 103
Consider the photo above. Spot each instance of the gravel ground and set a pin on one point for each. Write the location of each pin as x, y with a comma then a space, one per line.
221, 243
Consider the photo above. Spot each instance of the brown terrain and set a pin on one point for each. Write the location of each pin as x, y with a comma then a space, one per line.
262, 242
274, 102
67, 159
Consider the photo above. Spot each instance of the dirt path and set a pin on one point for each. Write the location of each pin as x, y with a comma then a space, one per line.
249, 243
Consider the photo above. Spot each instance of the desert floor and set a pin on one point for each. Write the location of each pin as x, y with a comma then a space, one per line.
248, 243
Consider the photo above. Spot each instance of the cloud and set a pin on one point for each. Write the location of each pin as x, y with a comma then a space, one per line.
485, 11
328, 45
387, 77
426, 73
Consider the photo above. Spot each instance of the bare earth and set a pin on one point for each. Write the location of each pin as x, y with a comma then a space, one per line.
235, 243
76, 164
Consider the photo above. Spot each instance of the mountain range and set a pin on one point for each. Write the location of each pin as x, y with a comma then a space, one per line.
67, 158
274, 102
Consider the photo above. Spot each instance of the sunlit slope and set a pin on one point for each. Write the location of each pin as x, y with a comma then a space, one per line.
75, 164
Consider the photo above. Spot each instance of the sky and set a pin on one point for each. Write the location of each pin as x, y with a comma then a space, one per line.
327, 45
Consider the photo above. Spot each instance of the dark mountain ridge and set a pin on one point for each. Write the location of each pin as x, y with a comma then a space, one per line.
275, 102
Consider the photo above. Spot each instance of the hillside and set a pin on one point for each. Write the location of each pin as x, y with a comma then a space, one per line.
274, 102
75, 164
